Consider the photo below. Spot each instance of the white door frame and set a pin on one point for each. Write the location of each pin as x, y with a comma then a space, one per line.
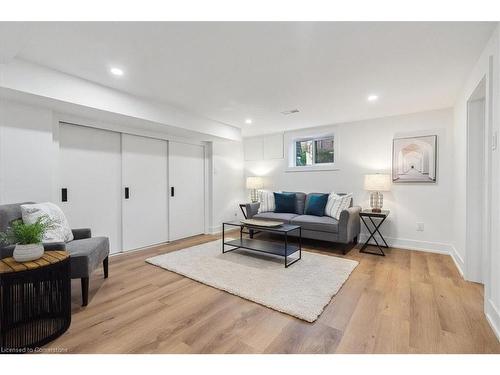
478, 211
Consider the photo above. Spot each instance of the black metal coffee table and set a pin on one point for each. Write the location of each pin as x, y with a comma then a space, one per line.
284, 249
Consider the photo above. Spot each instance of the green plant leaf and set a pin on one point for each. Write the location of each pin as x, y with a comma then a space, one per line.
25, 234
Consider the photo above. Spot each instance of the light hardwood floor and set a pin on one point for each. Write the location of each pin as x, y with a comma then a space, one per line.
406, 302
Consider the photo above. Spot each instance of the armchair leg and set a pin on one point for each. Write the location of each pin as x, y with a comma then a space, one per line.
85, 291
105, 265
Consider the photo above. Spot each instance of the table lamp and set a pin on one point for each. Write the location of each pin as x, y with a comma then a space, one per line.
376, 183
254, 183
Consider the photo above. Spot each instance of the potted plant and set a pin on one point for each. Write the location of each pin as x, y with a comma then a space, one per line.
27, 238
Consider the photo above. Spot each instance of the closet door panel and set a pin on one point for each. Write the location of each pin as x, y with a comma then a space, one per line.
187, 190
144, 191
90, 171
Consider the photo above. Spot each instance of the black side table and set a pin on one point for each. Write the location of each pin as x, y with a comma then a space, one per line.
35, 301
373, 229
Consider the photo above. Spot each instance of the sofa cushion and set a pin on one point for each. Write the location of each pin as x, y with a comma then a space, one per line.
317, 223
300, 199
337, 203
315, 204
86, 255
285, 202
266, 199
276, 216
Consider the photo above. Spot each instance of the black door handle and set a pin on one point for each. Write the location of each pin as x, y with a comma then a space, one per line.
172, 191
64, 195
127, 193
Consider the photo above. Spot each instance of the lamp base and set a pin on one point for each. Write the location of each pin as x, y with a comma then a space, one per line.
376, 201
253, 196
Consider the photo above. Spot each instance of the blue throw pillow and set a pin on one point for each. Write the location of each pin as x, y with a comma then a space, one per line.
284, 202
316, 204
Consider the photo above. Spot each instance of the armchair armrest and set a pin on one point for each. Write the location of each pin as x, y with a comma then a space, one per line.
349, 224
6, 251
54, 246
252, 209
81, 233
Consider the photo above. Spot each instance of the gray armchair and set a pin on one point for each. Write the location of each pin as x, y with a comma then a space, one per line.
86, 252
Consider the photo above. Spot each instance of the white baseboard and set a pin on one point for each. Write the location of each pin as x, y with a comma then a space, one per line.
459, 261
432, 247
407, 244
493, 317
215, 230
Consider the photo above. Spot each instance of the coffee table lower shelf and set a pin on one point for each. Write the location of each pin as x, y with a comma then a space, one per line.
284, 250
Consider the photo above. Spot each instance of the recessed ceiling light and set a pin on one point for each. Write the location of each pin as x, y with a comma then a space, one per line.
372, 98
248, 121
116, 71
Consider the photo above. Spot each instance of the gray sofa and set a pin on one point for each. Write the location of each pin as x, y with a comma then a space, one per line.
86, 252
345, 230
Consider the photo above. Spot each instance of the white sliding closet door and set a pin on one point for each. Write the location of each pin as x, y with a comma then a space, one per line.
145, 192
187, 190
90, 170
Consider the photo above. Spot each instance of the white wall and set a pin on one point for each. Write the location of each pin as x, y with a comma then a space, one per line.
487, 66
26, 153
366, 147
228, 182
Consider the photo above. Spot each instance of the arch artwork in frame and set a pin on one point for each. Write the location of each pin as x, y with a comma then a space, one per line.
414, 159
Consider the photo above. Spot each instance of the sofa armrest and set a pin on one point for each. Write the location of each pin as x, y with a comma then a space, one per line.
252, 209
54, 246
81, 233
349, 224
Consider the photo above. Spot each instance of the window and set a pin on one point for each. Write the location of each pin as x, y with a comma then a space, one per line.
309, 152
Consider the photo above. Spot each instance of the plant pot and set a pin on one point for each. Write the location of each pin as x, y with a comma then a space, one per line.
26, 253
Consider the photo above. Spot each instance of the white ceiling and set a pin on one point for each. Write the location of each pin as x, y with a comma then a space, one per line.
230, 71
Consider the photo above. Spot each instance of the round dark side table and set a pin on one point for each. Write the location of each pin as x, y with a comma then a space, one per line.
35, 301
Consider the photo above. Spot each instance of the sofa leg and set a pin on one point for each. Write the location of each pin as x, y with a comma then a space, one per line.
85, 291
348, 246
250, 232
105, 266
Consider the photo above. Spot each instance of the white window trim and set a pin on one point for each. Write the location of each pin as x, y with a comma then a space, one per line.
315, 167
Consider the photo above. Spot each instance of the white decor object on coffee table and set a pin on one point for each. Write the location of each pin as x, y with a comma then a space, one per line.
262, 223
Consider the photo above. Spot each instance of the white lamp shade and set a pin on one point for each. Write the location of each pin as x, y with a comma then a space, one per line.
255, 183
378, 182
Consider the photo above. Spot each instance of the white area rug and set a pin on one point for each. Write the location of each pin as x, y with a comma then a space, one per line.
301, 290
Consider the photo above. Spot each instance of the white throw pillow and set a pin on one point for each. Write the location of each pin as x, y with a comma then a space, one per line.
60, 231
266, 199
336, 204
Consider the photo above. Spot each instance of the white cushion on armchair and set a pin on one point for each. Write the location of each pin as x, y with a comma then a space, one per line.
60, 231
